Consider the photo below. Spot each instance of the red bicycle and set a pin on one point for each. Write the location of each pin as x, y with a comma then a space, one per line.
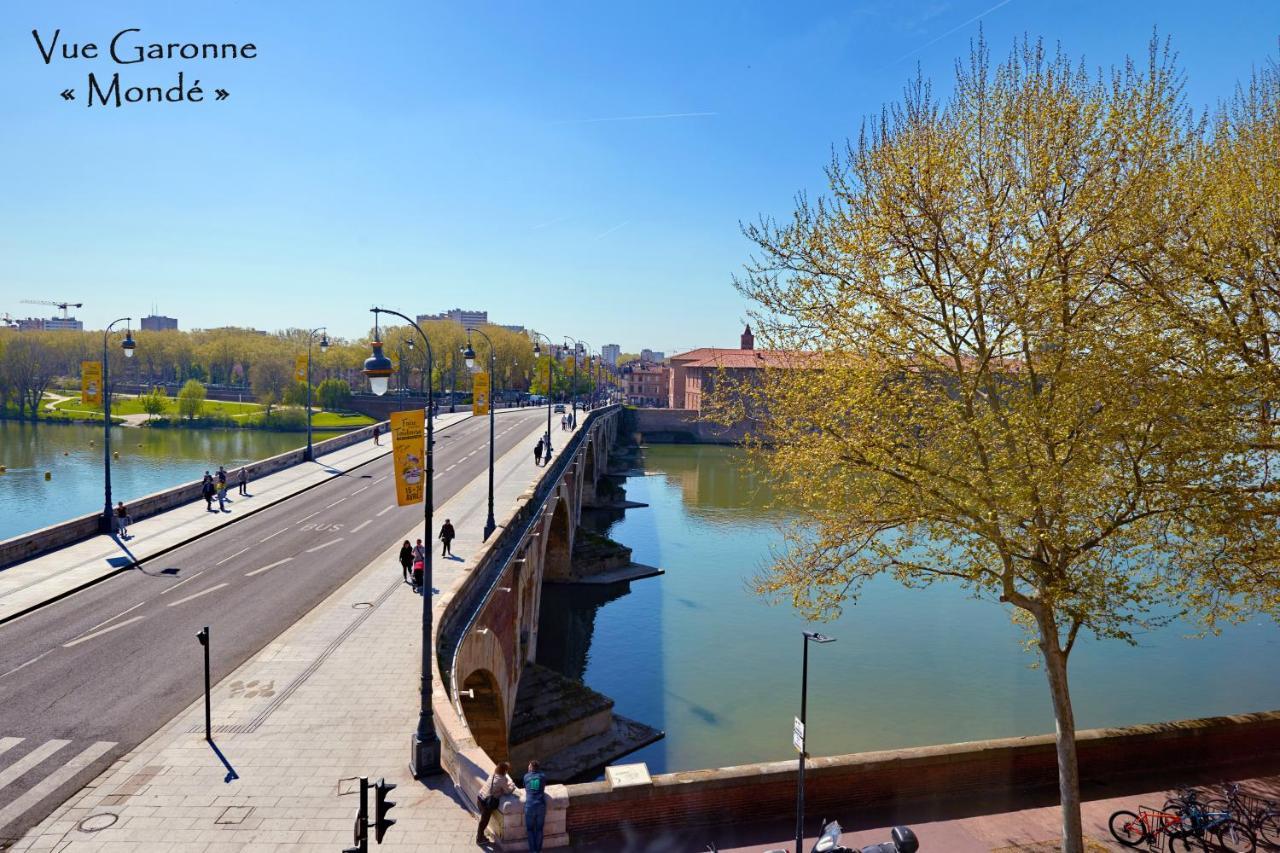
1147, 826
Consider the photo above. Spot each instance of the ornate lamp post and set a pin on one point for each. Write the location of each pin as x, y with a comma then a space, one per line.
537, 351
804, 694
324, 347
489, 525
577, 348
128, 346
425, 757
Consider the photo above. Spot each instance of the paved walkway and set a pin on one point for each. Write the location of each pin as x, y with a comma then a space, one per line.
45, 578
333, 698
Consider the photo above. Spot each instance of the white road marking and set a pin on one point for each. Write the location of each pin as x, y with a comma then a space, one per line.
267, 567
335, 503
31, 759
380, 479
277, 533
11, 672
325, 545
51, 783
185, 580
7, 743
313, 515
451, 467
232, 557
358, 491
114, 618
195, 595
78, 640
387, 510
362, 525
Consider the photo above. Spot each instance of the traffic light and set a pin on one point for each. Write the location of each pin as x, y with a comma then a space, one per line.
381, 805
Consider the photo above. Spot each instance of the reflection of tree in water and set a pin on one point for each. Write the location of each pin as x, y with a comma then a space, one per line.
713, 478
567, 622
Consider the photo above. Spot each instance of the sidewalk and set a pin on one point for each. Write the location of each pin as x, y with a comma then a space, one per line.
332, 698
38, 581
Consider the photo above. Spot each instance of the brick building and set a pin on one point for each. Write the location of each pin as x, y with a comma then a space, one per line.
693, 374
646, 384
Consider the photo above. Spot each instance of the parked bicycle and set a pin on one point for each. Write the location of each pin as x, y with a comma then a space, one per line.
1147, 826
1217, 826
1260, 815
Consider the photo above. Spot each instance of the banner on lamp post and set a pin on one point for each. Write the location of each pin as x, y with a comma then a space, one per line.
300, 369
480, 394
91, 382
408, 440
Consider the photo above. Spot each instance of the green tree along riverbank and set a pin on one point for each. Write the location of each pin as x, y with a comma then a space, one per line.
212, 414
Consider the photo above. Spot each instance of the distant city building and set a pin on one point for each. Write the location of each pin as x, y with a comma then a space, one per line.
652, 356
462, 316
50, 324
157, 323
610, 352
519, 330
693, 374
646, 385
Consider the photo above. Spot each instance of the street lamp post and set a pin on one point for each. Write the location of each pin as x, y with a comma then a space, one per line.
128, 346
324, 347
804, 695
425, 756
537, 351
489, 525
573, 394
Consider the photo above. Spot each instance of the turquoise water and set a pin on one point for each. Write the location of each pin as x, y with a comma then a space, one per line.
697, 654
150, 460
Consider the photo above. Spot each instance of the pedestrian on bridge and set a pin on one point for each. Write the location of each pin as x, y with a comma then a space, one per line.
419, 565
535, 806
206, 490
406, 561
537, 453
243, 479
447, 535
377, 431
491, 794
122, 520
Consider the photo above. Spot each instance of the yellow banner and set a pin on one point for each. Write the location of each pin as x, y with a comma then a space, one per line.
300, 369
480, 394
91, 382
408, 438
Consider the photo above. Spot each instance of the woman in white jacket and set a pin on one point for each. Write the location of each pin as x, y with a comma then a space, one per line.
491, 794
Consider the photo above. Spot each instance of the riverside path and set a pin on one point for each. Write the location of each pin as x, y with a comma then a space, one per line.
85, 679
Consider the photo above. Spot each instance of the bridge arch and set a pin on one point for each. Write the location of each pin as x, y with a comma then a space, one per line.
485, 714
558, 556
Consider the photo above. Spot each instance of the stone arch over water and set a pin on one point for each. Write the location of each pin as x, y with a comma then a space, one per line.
485, 714
557, 562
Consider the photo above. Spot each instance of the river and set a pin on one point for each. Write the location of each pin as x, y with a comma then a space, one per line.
150, 460
696, 653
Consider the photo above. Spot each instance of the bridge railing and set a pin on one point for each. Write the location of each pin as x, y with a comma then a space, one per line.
476, 591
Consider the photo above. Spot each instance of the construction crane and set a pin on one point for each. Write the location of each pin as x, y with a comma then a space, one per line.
63, 305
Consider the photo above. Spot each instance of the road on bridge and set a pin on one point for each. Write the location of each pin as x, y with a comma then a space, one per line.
85, 679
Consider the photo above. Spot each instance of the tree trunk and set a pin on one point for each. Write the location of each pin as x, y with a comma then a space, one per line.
1055, 668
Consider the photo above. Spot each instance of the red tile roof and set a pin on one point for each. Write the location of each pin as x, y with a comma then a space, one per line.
736, 358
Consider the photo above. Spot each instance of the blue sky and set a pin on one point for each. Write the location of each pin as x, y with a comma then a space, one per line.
483, 155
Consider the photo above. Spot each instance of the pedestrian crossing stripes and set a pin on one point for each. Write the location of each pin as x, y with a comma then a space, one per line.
21, 775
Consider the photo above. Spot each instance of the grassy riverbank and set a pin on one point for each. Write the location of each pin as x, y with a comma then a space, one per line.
215, 414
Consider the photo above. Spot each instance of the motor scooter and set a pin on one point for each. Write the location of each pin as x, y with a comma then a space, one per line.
902, 840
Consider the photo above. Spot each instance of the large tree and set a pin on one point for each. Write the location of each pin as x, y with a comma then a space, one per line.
988, 402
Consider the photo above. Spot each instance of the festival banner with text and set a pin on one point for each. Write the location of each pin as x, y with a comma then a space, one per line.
300, 369
408, 438
91, 383
480, 394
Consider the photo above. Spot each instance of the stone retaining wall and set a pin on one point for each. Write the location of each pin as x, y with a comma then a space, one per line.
47, 539
681, 426
992, 771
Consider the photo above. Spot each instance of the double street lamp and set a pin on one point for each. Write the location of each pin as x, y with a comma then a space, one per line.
425, 757
537, 352
489, 525
324, 347
573, 394
813, 636
108, 525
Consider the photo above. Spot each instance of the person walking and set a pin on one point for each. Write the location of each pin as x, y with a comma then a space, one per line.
447, 535
122, 520
419, 565
377, 431
546, 451
406, 561
535, 806
206, 489
498, 786
537, 453
243, 480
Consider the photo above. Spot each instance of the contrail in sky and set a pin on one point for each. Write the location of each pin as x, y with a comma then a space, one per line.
637, 118
609, 231
932, 42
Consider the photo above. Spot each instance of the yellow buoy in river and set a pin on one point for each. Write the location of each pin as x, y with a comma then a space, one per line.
48, 475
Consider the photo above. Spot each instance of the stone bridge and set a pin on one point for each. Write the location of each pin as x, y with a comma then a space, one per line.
498, 700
